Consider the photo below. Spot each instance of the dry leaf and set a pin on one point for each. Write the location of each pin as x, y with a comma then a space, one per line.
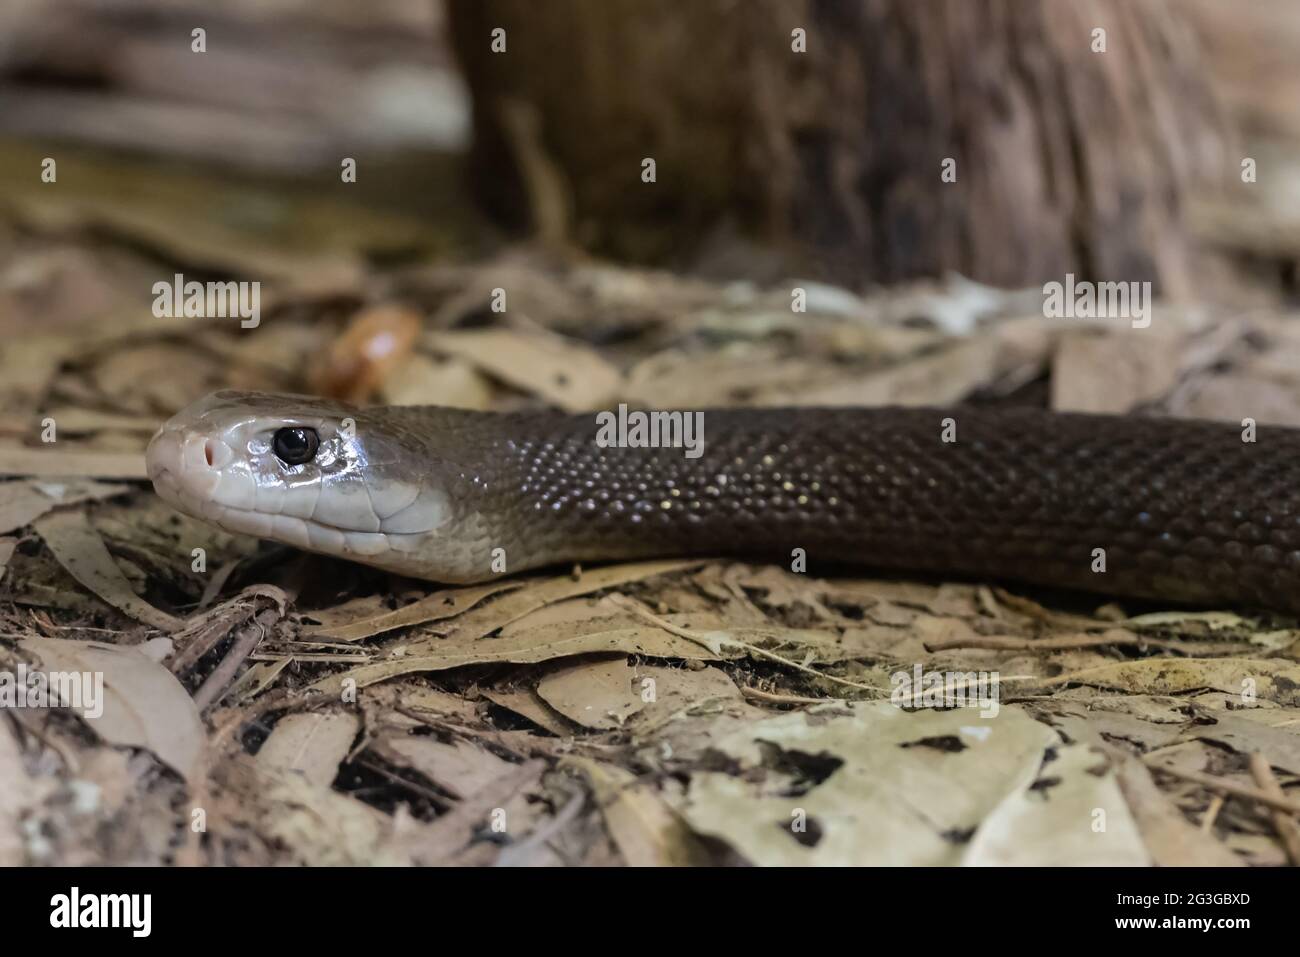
1276, 680
647, 831
19, 795
376, 618
567, 374
868, 783
312, 744
1115, 372
533, 645
83, 463
1280, 746
450, 383
939, 379
673, 692
595, 694
7, 546
315, 825
1170, 839
537, 593
256, 679
459, 768
80, 550
1074, 815
21, 503
144, 706
527, 704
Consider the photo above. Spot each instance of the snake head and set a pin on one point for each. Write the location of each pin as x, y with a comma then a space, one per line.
316, 474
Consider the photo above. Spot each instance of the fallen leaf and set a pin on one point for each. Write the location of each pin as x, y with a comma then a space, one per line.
82, 463
79, 549
538, 593
459, 767
647, 831
1113, 373
595, 694
1280, 746
525, 703
940, 378
868, 783
533, 645
314, 825
20, 793
567, 374
337, 623
312, 744
453, 830
144, 706
21, 503
256, 679
1078, 818
1166, 833
1277, 680
673, 692
1212, 620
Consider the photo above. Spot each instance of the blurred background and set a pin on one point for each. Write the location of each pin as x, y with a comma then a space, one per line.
285, 85
803, 142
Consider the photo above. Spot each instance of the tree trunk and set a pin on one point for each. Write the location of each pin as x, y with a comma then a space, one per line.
1066, 158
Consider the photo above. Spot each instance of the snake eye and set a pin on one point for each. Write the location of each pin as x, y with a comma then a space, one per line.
293, 446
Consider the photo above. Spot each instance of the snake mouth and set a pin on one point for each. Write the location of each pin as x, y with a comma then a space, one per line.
185, 470
306, 533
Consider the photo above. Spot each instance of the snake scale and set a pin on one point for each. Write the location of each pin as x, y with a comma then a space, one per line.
1177, 510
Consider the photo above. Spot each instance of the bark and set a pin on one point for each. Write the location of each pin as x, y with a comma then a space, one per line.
1066, 159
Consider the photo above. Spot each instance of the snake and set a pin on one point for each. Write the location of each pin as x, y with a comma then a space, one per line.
1132, 506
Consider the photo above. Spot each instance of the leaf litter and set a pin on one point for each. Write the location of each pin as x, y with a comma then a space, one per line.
671, 712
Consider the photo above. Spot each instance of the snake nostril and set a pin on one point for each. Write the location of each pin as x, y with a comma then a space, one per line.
216, 454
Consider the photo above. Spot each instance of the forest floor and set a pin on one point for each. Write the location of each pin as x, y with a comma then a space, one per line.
267, 706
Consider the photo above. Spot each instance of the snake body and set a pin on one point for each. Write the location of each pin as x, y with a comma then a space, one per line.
1179, 510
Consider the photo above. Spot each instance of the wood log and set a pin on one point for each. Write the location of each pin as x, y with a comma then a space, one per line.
1072, 149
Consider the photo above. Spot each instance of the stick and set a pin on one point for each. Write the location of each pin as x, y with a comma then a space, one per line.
1283, 823
1227, 787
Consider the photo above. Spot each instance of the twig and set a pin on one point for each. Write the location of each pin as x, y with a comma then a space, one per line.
35, 729
440, 801
226, 722
450, 832
1060, 643
700, 639
214, 688
1283, 823
1212, 813
771, 698
1226, 787
216, 583
522, 852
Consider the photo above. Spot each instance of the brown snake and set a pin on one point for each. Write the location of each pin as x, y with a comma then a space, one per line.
1166, 509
